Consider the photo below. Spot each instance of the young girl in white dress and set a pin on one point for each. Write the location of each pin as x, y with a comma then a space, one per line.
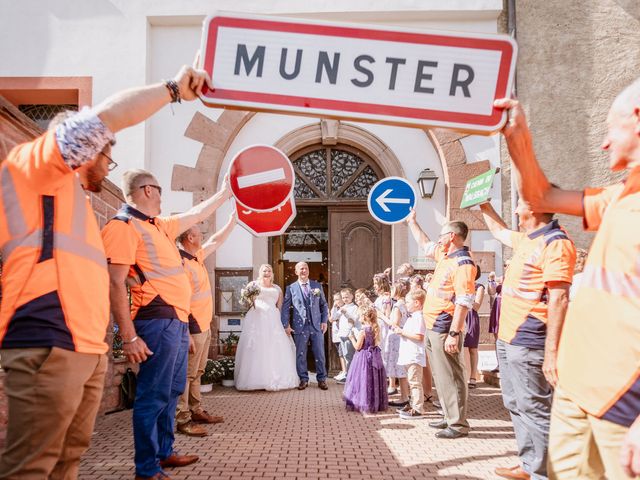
266, 355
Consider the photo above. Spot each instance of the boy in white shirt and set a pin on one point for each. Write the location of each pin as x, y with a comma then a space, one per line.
334, 318
412, 353
348, 317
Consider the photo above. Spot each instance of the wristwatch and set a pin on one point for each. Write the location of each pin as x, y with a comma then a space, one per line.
454, 334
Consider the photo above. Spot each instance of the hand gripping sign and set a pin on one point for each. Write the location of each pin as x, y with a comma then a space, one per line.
370, 73
261, 179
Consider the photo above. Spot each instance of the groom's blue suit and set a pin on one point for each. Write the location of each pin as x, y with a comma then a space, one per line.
309, 312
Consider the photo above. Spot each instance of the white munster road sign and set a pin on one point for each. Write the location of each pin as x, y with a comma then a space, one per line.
261, 178
370, 73
267, 224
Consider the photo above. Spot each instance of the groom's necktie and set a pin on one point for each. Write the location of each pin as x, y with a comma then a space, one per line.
305, 289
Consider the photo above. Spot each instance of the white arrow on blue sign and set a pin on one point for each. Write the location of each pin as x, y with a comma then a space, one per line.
391, 200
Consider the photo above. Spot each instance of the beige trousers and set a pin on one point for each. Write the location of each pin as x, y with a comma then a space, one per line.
190, 400
451, 380
581, 445
414, 377
54, 396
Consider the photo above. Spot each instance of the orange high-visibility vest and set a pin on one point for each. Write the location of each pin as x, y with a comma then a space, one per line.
55, 284
201, 300
147, 244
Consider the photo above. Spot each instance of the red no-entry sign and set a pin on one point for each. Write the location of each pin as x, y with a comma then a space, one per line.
261, 178
266, 224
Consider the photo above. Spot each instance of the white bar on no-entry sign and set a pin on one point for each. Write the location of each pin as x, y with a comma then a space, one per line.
260, 178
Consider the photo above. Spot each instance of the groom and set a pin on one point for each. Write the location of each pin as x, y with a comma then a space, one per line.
310, 314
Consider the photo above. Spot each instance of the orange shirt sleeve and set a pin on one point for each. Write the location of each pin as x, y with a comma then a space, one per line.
120, 243
559, 261
594, 202
516, 237
171, 225
464, 280
438, 253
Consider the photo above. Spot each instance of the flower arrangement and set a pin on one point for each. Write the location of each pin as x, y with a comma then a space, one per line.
214, 372
230, 344
229, 366
248, 295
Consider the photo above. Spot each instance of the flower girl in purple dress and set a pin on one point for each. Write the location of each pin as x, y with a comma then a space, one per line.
366, 387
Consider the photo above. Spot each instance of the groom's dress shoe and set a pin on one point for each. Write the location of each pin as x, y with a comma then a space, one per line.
302, 385
450, 433
323, 385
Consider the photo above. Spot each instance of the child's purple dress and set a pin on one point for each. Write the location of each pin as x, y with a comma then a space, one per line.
366, 386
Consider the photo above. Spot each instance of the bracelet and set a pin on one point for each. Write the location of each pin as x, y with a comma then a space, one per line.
174, 90
130, 341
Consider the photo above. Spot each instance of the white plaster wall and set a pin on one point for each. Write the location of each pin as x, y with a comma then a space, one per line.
120, 43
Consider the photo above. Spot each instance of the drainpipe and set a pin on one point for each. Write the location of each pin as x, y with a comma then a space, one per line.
511, 27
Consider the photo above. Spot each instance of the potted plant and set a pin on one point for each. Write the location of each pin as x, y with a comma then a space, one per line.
229, 365
213, 373
231, 344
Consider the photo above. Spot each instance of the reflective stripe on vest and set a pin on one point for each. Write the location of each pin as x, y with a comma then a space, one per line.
615, 283
157, 271
74, 243
523, 294
196, 285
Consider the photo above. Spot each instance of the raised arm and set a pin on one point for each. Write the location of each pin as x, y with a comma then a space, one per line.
200, 212
130, 107
219, 237
535, 189
495, 224
418, 234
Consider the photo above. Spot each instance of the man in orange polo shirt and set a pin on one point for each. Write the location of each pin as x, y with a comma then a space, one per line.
595, 419
55, 306
140, 245
193, 252
450, 295
535, 295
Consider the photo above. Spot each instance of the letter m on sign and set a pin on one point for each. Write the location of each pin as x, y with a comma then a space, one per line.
242, 56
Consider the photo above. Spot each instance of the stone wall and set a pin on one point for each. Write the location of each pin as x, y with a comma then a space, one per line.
574, 57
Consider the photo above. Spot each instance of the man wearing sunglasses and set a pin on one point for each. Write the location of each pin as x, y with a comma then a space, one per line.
141, 252
55, 282
450, 295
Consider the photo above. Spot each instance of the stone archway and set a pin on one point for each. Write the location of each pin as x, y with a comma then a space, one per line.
217, 136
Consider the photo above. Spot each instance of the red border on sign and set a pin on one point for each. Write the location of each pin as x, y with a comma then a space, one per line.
503, 46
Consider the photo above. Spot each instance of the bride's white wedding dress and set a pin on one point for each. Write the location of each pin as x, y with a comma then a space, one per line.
266, 355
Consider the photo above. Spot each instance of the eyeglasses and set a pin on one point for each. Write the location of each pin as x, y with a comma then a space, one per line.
443, 234
157, 187
112, 165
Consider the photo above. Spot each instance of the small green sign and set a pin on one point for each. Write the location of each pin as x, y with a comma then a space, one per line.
477, 189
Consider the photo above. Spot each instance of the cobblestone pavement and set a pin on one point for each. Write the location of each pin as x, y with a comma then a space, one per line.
308, 434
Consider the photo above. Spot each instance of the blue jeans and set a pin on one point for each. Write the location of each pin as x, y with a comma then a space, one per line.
161, 381
527, 395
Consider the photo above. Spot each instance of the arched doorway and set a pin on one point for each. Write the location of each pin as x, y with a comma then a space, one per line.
333, 230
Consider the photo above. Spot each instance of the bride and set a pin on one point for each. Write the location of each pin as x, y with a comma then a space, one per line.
266, 355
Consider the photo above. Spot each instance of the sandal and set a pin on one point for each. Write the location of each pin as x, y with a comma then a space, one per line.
391, 391
472, 383
428, 398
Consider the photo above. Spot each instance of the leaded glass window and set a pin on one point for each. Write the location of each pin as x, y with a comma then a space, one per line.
43, 114
331, 174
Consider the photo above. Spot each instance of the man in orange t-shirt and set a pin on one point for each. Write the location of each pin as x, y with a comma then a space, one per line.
193, 252
141, 251
55, 306
595, 419
450, 295
535, 295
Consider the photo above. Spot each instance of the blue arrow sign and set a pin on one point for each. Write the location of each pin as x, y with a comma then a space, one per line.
391, 200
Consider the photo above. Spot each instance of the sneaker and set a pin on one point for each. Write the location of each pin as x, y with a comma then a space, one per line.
392, 391
342, 381
436, 403
398, 403
411, 414
406, 408
340, 376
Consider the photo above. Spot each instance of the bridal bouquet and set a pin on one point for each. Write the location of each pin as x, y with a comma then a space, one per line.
248, 294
